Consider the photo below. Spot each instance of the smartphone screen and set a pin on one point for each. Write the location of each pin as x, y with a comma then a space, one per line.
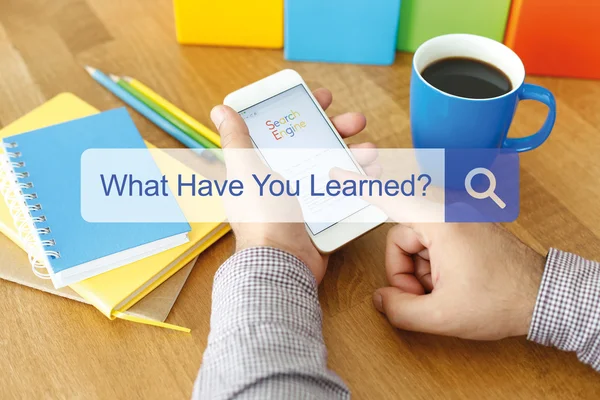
291, 120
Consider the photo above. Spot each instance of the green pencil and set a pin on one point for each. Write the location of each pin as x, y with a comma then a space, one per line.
164, 114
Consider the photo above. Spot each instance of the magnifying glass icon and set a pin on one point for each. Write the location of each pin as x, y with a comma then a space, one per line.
489, 193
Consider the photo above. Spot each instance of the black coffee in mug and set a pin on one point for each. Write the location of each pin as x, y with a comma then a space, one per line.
467, 77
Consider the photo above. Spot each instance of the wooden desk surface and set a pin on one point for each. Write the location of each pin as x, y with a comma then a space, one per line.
55, 348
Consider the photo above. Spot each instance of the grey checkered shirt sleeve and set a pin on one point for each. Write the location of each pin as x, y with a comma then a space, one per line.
266, 338
567, 311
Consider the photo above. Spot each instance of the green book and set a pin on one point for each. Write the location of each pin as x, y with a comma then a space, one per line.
420, 20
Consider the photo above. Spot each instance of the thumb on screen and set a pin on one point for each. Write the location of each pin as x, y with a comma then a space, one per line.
235, 140
232, 128
384, 203
399, 208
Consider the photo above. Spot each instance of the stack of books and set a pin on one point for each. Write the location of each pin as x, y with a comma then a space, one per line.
112, 266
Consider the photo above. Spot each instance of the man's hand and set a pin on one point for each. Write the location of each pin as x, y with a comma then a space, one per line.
473, 281
290, 237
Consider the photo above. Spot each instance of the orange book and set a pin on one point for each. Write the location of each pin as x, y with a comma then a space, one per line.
556, 37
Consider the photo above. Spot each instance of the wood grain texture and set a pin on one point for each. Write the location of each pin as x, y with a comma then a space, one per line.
55, 348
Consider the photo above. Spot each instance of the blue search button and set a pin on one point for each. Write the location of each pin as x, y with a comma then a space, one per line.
490, 192
482, 185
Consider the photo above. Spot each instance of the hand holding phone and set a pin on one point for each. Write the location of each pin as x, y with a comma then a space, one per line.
291, 237
283, 118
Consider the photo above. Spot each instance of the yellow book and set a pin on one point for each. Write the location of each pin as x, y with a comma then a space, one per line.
240, 23
115, 291
15, 267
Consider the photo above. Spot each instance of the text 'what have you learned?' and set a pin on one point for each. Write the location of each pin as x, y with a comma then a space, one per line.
127, 185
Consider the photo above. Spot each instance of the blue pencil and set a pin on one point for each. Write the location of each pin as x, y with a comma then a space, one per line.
143, 109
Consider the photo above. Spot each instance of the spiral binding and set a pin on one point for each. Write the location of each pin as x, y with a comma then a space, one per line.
32, 231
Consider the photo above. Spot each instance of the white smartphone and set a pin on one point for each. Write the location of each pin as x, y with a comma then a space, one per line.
281, 112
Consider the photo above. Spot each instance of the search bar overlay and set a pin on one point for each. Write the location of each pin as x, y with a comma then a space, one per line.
317, 186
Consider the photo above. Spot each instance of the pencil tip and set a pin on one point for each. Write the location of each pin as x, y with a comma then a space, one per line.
127, 78
89, 69
114, 78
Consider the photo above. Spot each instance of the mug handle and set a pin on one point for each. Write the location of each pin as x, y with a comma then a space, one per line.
534, 92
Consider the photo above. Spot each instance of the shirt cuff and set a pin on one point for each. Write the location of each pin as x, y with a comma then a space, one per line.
567, 310
265, 285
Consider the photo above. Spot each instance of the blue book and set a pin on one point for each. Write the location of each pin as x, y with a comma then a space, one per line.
45, 167
341, 31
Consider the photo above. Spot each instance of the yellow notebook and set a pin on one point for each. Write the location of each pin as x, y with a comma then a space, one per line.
15, 267
115, 291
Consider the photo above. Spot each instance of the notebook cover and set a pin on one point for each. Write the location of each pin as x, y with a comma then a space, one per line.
157, 304
61, 108
101, 293
53, 157
15, 267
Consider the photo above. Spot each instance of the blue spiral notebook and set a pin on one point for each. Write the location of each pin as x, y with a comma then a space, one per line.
43, 171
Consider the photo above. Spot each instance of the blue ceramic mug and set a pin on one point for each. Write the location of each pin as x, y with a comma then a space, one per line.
442, 120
